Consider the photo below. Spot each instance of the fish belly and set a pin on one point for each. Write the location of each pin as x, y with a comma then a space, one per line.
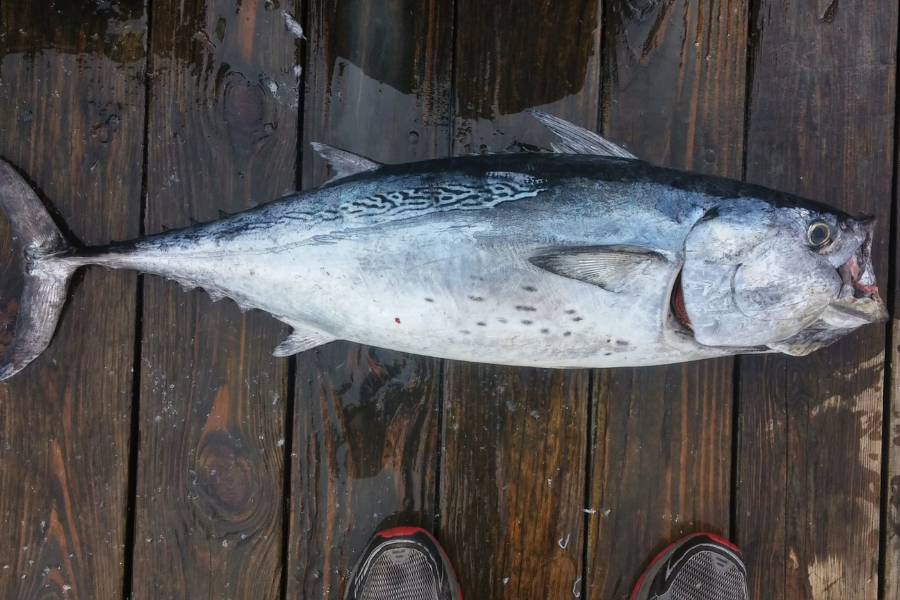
457, 291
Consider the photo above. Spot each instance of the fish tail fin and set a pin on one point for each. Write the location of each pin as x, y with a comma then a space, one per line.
47, 275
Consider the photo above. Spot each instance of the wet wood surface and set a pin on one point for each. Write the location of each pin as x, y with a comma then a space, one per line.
820, 124
514, 439
158, 450
72, 119
222, 131
366, 420
674, 91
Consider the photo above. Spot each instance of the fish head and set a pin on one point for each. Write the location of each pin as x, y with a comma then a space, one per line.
793, 277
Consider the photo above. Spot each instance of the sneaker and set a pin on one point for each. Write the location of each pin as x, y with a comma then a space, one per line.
699, 567
405, 563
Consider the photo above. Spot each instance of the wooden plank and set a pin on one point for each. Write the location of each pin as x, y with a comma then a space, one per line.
891, 524
515, 439
661, 464
365, 424
365, 441
821, 124
223, 124
890, 492
512, 480
72, 118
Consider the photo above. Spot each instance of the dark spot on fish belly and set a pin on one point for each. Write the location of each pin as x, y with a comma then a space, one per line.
429, 299
502, 320
529, 288
526, 308
476, 298
607, 354
526, 322
621, 343
465, 332
397, 320
570, 312
567, 334
576, 319
481, 324
545, 331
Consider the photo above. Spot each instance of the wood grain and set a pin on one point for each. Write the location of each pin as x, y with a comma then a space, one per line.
223, 122
891, 524
365, 426
512, 480
515, 440
72, 118
661, 463
365, 441
821, 122
890, 492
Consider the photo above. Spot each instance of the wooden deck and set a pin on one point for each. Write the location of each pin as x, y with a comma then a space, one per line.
158, 450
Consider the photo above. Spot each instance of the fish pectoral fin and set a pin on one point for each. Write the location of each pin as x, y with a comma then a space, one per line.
343, 163
608, 267
578, 140
301, 339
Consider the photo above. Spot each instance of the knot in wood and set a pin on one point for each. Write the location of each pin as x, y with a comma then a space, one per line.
246, 109
226, 485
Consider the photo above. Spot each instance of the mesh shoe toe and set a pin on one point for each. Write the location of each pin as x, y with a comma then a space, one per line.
405, 563
699, 567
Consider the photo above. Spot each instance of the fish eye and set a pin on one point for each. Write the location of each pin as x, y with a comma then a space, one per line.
819, 233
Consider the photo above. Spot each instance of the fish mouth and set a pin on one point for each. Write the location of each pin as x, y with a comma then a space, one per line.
858, 299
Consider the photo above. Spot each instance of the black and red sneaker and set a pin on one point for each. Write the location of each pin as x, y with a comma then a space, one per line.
404, 563
702, 566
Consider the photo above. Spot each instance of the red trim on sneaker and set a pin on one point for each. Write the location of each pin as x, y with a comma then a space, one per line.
724, 542
397, 531
389, 533
712, 536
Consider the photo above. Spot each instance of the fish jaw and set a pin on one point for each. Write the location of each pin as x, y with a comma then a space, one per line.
858, 298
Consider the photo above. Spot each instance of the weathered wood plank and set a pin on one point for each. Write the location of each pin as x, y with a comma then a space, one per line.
365, 440
891, 525
224, 100
821, 124
512, 480
674, 95
72, 118
515, 440
365, 424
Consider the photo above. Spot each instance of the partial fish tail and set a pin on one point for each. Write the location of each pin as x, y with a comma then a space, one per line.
47, 274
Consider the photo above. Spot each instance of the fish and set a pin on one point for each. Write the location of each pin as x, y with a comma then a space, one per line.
579, 256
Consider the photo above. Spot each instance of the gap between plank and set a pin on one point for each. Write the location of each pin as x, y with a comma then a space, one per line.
889, 392
443, 366
287, 471
291, 395
135, 429
737, 363
590, 439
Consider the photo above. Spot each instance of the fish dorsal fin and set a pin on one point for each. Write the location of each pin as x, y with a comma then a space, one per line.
343, 163
301, 339
608, 267
578, 140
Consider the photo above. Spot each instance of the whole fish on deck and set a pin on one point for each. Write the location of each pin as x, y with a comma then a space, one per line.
585, 257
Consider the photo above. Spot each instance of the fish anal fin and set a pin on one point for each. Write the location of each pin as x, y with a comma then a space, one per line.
343, 163
578, 140
301, 339
608, 267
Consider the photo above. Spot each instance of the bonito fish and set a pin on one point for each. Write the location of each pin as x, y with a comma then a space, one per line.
584, 257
